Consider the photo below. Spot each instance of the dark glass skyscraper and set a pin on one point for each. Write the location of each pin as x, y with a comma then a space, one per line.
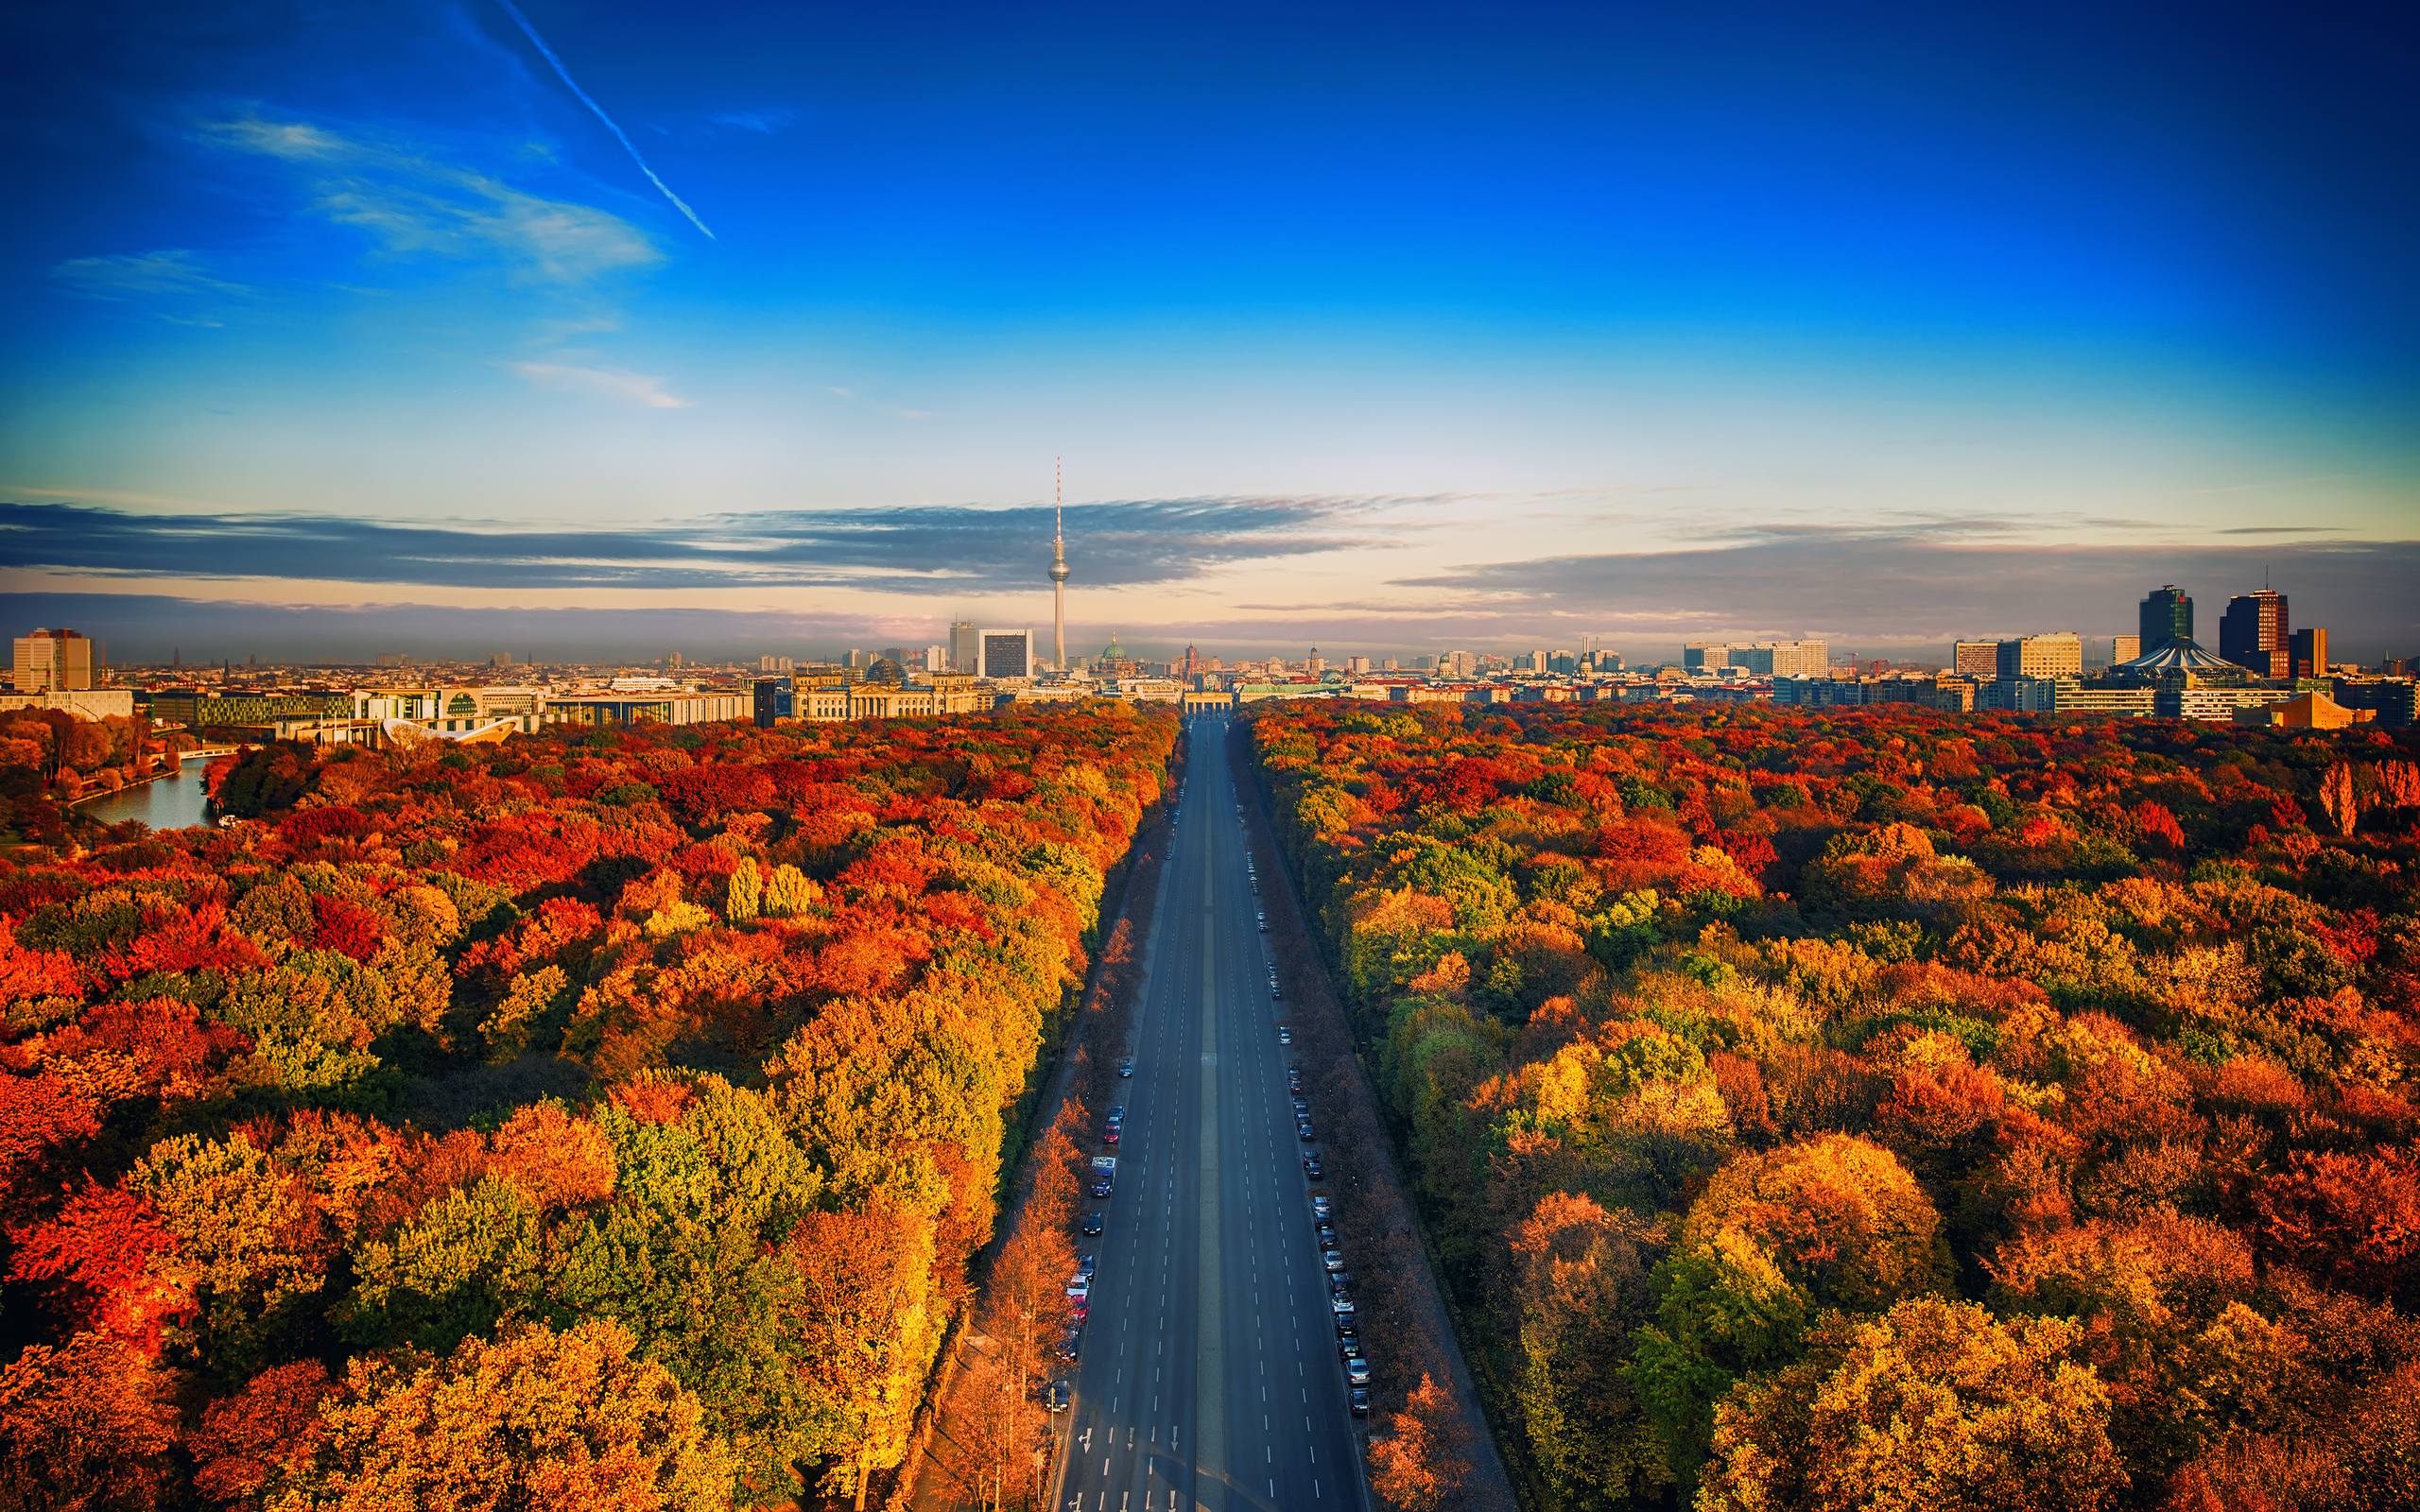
2253, 633
2167, 617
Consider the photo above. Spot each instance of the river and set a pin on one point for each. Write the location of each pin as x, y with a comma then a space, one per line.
167, 803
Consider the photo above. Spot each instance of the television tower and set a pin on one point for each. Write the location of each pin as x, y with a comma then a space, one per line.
1058, 567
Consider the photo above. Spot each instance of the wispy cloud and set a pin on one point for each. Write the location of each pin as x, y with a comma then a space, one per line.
416, 203
608, 382
769, 121
598, 110
134, 275
911, 549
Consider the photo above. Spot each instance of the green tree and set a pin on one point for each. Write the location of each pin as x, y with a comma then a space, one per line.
1776, 1238
684, 1257
250, 1250
469, 1259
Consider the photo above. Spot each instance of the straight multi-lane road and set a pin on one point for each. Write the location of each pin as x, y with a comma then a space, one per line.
1209, 1375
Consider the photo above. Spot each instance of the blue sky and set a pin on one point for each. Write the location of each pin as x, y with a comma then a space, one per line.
350, 326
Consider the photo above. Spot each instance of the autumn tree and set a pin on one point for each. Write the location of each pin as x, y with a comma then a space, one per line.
1419, 1463
83, 1428
744, 895
555, 1422
248, 1445
1579, 1289
1931, 1406
866, 1316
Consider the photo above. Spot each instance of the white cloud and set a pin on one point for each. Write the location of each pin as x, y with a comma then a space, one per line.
281, 139
607, 382
130, 275
414, 203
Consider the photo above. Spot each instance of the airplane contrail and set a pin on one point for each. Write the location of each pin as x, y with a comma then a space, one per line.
564, 73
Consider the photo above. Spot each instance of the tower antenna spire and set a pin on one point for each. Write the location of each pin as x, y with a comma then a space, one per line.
1058, 564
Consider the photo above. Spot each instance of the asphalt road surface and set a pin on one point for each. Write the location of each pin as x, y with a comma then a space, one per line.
1209, 1376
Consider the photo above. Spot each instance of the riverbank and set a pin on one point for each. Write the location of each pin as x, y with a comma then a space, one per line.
172, 799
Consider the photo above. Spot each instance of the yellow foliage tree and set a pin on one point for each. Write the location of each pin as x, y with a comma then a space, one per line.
541, 1421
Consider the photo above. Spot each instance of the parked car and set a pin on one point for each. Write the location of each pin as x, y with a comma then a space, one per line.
1285, 1036
1333, 1259
1126, 1068
1080, 1290
1360, 1402
1356, 1370
1348, 1348
1071, 1344
1311, 1168
1094, 1222
1321, 1208
1303, 1129
1109, 1135
1347, 1325
1101, 1186
1084, 1265
1327, 1233
1056, 1395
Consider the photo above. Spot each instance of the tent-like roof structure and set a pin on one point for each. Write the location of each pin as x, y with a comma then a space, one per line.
2176, 656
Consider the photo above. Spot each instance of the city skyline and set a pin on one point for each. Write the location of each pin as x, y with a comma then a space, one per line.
367, 329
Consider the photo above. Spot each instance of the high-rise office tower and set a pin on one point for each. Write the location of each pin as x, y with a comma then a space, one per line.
1058, 569
2309, 652
2167, 616
2124, 648
54, 661
1975, 659
1007, 655
2253, 633
966, 647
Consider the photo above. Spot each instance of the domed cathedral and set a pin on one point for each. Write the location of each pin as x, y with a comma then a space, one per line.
1113, 661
